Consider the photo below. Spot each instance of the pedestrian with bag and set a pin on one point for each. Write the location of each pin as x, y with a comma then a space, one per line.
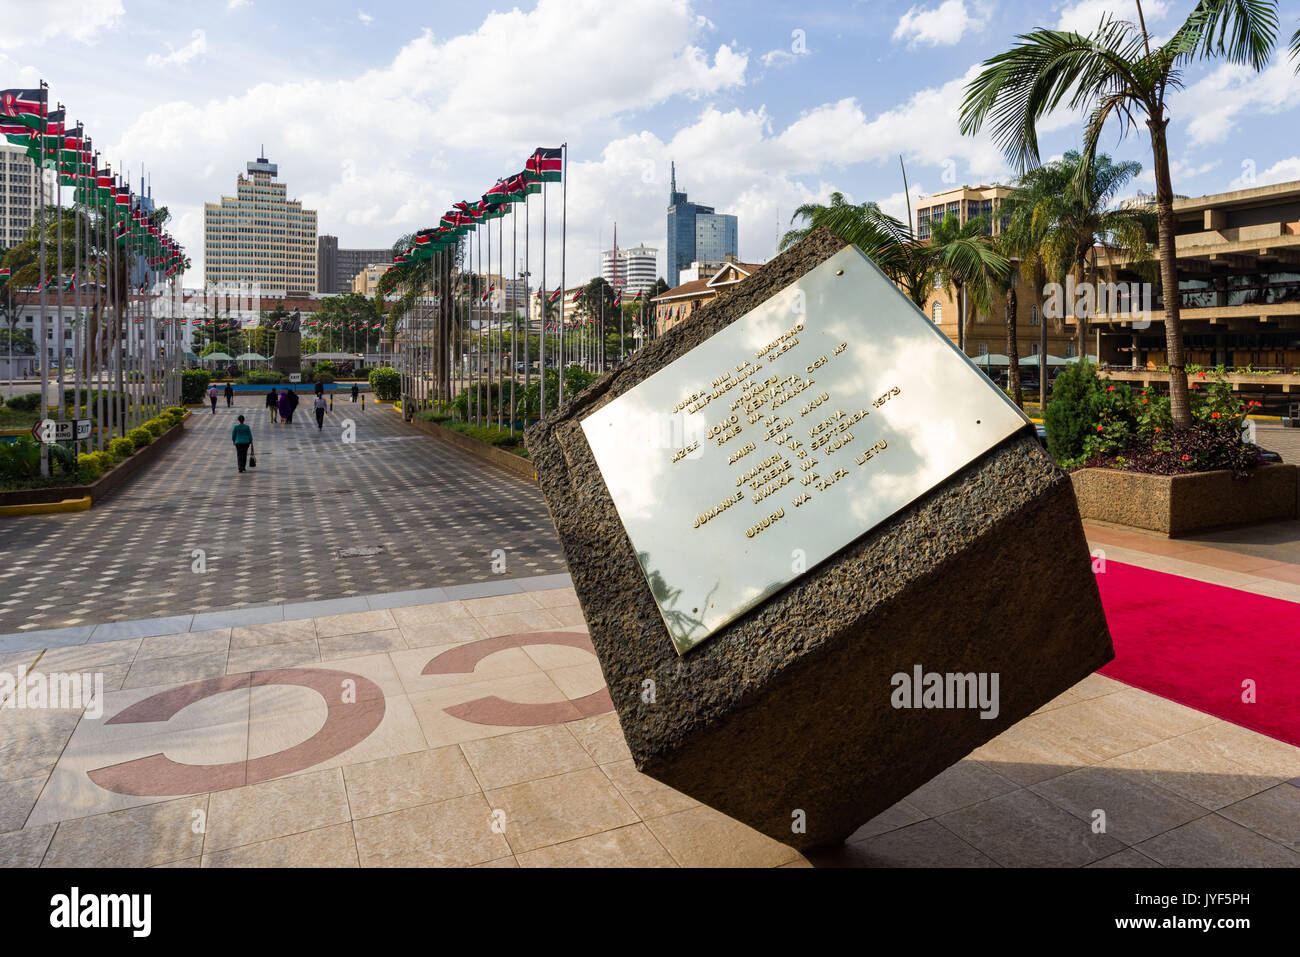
271, 404
242, 436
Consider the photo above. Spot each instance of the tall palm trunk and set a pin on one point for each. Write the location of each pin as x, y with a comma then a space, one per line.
1080, 322
1179, 406
1013, 352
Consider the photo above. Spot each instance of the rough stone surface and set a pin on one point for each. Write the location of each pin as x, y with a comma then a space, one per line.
789, 707
1177, 505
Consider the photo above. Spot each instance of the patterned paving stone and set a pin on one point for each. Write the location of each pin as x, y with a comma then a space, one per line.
274, 534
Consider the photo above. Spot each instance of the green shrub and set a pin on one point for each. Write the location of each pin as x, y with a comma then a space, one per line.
156, 427
325, 377
92, 465
139, 438
20, 460
121, 448
194, 383
1070, 417
25, 403
262, 377
385, 383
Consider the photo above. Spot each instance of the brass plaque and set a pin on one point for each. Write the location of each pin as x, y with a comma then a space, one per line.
785, 436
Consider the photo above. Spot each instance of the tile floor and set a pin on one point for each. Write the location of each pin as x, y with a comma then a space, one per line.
477, 732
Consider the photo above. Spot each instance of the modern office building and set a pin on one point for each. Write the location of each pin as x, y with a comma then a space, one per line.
637, 268
260, 236
19, 194
336, 268
696, 232
366, 282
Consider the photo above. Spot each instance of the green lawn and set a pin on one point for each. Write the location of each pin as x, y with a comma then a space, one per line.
13, 419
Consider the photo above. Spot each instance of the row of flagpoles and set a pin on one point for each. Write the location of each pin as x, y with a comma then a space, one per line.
114, 237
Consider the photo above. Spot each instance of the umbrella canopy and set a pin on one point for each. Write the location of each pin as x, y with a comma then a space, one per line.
250, 357
991, 359
218, 357
191, 356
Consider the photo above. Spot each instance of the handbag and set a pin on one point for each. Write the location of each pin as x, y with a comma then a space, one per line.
252, 457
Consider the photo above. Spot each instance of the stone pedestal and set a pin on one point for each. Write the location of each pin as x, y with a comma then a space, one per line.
288, 352
788, 717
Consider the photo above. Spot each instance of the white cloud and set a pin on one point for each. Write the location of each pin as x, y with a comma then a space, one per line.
1084, 17
364, 17
777, 58
236, 4
1232, 91
197, 46
1283, 171
943, 25
36, 22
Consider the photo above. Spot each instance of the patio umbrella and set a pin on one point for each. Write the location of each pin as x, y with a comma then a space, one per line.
217, 357
250, 357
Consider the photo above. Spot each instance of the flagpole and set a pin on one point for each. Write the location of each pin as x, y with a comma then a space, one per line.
514, 313
564, 224
528, 299
78, 327
501, 338
40, 206
545, 303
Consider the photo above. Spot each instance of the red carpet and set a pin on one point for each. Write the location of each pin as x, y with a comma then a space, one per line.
1196, 643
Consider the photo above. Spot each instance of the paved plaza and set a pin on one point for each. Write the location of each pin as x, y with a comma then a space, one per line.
319, 518
478, 731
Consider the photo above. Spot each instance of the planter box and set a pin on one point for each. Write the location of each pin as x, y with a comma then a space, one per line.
106, 484
1177, 505
506, 460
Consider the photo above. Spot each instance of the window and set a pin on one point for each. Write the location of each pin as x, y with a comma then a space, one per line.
936, 312
982, 349
1033, 315
1069, 349
1033, 349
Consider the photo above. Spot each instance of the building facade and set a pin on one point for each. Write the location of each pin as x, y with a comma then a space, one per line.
366, 282
637, 268
19, 194
260, 236
696, 232
676, 304
965, 203
336, 268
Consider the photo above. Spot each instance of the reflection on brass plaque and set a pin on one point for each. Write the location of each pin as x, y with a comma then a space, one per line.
785, 436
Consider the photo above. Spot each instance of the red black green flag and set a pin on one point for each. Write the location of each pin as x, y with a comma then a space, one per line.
544, 165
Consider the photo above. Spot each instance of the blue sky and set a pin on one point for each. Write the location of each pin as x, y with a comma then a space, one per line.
381, 115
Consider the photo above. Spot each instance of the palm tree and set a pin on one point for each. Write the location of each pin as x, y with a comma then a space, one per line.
968, 264
1115, 72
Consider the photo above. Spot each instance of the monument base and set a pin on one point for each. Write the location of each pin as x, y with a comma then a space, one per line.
288, 352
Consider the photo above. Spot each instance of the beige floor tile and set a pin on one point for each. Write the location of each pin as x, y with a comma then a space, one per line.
516, 623
555, 597
1125, 858
183, 645
561, 808
377, 668
891, 819
188, 862
354, 623
1135, 807
365, 643
31, 740
89, 657
648, 797
1060, 701
923, 844
505, 663
157, 672
500, 862
602, 736
703, 837
551, 657
455, 631
276, 808
1192, 769
137, 837
965, 783
272, 633
429, 614
1251, 749
324, 847
1158, 715
18, 797
631, 846
408, 780
1095, 685
268, 657
525, 755
578, 681
568, 615
115, 676
500, 605
1213, 841
18, 663
441, 727
270, 733
1274, 813
25, 848
1021, 829
1094, 730
454, 833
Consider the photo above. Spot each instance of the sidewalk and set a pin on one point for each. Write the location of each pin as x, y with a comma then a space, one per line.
477, 732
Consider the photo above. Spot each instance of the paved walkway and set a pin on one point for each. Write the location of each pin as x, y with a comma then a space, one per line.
478, 732
319, 518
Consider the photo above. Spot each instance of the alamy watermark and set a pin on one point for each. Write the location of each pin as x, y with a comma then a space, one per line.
56, 690
1103, 300
951, 689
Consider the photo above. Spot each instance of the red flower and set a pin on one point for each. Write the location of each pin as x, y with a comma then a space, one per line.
1187, 458
1214, 415
1099, 428
1157, 428
1144, 401
1201, 375
1111, 389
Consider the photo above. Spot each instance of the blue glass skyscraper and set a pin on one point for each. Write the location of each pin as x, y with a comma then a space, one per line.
695, 232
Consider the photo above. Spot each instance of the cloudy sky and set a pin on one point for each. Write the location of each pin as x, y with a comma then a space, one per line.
381, 115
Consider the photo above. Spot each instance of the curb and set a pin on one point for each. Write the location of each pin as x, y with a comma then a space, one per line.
46, 508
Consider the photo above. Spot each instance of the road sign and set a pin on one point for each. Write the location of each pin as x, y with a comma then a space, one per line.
295, 376
63, 430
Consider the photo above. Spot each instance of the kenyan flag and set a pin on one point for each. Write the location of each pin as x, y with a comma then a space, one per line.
618, 299
519, 188
4, 272
555, 295
72, 283
20, 102
544, 165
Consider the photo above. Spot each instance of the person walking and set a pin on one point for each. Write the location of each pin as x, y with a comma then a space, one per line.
355, 392
293, 404
230, 395
270, 404
320, 388
320, 411
242, 436
285, 408
212, 397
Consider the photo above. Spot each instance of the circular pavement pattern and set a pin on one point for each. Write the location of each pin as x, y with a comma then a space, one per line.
318, 518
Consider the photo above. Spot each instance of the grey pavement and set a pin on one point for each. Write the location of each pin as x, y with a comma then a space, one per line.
319, 520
